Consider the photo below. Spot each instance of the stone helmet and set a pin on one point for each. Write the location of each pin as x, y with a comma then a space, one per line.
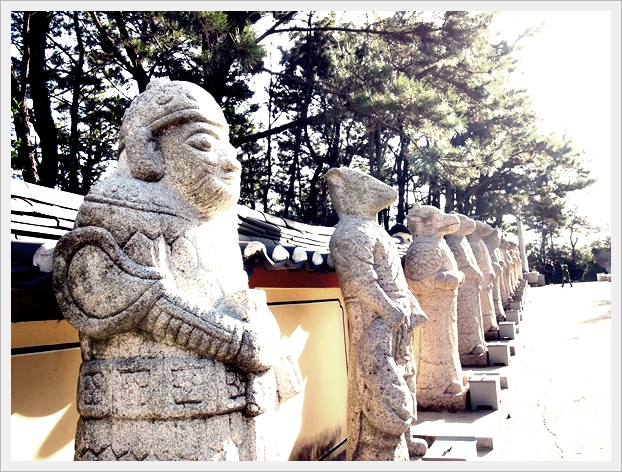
163, 104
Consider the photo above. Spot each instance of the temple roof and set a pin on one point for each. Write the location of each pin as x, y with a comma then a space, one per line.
40, 216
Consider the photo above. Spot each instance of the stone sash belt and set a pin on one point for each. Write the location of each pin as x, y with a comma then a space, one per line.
159, 388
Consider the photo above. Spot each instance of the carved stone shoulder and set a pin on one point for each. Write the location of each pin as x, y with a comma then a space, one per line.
101, 290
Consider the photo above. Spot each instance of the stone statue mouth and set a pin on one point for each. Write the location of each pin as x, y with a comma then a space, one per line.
227, 177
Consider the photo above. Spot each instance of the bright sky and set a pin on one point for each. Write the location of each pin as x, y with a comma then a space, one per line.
567, 70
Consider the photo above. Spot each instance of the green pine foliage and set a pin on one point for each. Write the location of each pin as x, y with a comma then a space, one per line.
418, 99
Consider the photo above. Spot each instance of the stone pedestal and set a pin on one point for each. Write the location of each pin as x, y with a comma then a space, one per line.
507, 330
485, 391
541, 280
435, 401
473, 360
514, 305
513, 316
531, 278
499, 354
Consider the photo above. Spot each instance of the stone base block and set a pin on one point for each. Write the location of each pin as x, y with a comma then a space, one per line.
500, 370
473, 360
492, 335
515, 306
499, 354
512, 315
507, 330
541, 280
485, 391
452, 448
452, 403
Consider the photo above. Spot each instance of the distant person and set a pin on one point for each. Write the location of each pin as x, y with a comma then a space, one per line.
549, 270
565, 275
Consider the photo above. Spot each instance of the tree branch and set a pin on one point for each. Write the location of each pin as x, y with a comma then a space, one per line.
279, 129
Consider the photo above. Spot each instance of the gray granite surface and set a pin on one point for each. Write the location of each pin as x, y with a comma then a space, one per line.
382, 314
181, 360
434, 278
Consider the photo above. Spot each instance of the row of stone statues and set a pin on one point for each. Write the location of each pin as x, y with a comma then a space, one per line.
182, 361
408, 351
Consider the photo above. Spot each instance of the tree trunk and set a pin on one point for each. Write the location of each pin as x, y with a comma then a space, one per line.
293, 175
379, 151
401, 165
26, 160
73, 160
372, 158
266, 189
41, 104
434, 195
449, 197
25, 150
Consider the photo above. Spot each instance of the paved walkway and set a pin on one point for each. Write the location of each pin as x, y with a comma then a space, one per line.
560, 380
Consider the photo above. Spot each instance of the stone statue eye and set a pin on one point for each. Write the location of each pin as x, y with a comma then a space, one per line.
365, 179
200, 141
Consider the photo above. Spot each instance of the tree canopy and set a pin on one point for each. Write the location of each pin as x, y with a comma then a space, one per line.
420, 100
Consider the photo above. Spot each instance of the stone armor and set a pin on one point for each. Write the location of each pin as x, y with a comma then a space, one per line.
181, 360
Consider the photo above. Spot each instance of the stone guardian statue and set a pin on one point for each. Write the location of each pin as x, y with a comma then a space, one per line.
492, 244
181, 360
471, 343
382, 314
484, 262
433, 277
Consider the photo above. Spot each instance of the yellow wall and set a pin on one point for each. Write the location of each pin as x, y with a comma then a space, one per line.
312, 322
314, 329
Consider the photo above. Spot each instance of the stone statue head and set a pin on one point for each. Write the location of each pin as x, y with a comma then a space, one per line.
353, 192
427, 220
481, 229
467, 225
176, 133
494, 238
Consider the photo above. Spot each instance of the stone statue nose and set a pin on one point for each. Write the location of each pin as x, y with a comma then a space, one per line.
231, 164
228, 154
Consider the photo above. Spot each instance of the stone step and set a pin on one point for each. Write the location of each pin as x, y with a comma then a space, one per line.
484, 425
452, 448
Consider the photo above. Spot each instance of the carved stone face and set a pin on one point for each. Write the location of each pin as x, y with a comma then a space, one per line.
175, 134
354, 192
427, 220
201, 164
493, 238
467, 226
482, 229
